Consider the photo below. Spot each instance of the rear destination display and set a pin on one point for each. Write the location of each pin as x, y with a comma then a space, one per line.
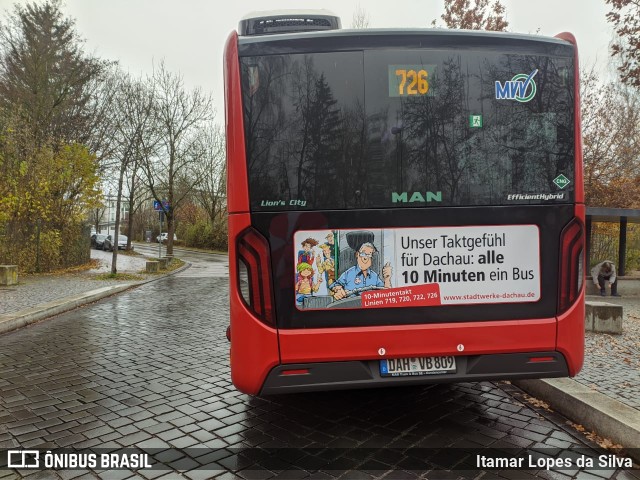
413, 267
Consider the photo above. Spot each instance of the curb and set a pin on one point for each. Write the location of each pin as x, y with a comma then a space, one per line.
186, 249
20, 319
608, 417
14, 321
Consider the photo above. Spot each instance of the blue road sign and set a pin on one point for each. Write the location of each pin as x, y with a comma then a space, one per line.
158, 208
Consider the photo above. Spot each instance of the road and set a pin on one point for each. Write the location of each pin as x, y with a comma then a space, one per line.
203, 264
149, 368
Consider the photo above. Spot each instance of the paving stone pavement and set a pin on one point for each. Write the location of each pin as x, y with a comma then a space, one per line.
612, 362
149, 368
35, 290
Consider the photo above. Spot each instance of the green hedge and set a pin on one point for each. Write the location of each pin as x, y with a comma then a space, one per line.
38, 247
204, 235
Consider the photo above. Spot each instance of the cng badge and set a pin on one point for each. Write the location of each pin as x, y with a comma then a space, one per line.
561, 181
521, 87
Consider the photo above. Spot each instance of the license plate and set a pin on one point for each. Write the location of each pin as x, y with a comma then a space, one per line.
403, 367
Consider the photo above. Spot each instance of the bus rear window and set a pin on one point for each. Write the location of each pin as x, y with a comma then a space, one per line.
390, 128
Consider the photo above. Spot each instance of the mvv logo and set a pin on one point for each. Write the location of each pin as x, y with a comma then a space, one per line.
521, 87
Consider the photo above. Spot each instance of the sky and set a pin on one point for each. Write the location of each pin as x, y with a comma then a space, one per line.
189, 35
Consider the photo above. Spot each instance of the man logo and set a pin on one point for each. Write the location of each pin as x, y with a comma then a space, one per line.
521, 87
403, 197
23, 459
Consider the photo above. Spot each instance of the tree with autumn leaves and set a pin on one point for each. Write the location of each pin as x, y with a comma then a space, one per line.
71, 123
611, 117
611, 143
474, 15
48, 175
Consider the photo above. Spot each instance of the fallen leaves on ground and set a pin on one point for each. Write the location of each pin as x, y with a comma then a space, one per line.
537, 402
605, 443
91, 264
608, 351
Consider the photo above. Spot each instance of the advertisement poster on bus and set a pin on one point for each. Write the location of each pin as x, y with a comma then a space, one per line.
416, 267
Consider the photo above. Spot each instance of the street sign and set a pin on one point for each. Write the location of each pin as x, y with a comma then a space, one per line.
158, 207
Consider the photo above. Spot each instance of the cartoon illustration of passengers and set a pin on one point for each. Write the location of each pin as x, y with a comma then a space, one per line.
360, 277
326, 265
306, 255
305, 286
331, 242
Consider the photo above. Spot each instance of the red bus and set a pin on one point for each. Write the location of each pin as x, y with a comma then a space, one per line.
405, 206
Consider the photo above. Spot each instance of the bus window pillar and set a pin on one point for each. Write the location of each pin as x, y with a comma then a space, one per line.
622, 247
588, 245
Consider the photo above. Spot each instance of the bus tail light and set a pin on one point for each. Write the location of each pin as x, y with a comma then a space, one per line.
300, 371
254, 283
571, 264
541, 359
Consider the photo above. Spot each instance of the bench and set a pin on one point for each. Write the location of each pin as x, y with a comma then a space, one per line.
8, 275
603, 317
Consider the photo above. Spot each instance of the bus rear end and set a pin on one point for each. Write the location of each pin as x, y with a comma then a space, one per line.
405, 207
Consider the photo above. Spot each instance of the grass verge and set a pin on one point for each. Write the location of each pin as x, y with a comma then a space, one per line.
119, 276
174, 264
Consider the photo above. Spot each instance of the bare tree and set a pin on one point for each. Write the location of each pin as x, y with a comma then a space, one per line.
132, 133
611, 139
138, 195
102, 95
211, 170
474, 15
360, 18
96, 215
178, 116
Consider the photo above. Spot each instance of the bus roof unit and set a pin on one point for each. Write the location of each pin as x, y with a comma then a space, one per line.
287, 21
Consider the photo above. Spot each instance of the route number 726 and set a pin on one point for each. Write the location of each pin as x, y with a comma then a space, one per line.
415, 81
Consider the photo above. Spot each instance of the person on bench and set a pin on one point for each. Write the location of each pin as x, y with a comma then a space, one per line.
605, 272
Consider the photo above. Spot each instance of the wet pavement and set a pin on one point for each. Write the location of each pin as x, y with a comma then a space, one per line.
128, 262
612, 362
149, 368
33, 290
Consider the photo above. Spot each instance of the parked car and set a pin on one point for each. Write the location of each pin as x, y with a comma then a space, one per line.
164, 236
122, 243
97, 240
